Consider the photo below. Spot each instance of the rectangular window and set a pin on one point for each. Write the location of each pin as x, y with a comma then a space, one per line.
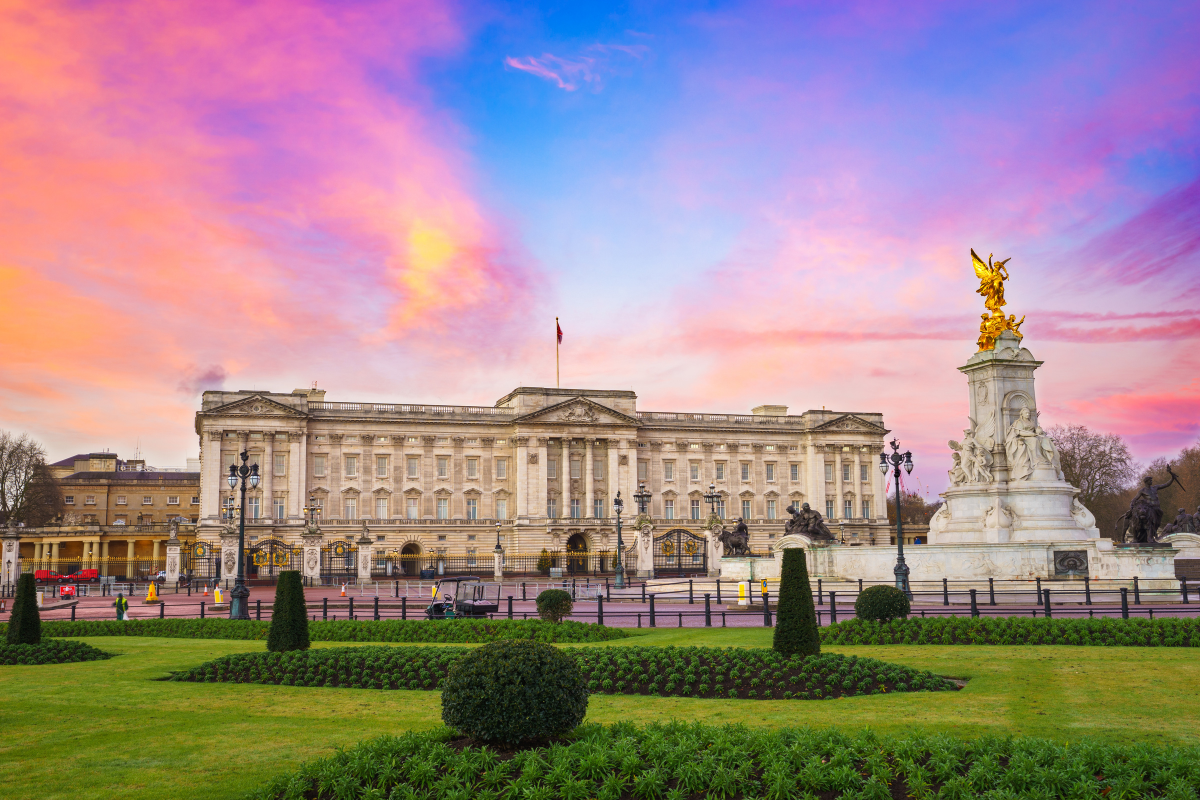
551, 468
668, 470
69, 499
575, 510
121, 500
472, 508
694, 469
598, 469
576, 468
848, 509
351, 466
381, 508
770, 473
195, 499
598, 508
795, 472
770, 509
720, 470
230, 459
414, 466
501, 509
351, 507
173, 500
281, 460
472, 467
845, 472
147, 500
280, 510
318, 466
745, 509
669, 509
501, 468
745, 471
411, 508
695, 509
862, 473
443, 464
443, 508
552, 508
829, 472
828, 508
643, 470
721, 508
381, 466
866, 509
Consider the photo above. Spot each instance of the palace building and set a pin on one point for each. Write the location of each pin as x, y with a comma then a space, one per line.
544, 463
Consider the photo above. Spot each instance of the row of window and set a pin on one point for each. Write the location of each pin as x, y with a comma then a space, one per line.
350, 507
719, 471
695, 509
122, 500
412, 463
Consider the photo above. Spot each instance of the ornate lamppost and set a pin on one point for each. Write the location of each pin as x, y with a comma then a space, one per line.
311, 511
712, 498
498, 556
619, 506
642, 496
895, 460
239, 607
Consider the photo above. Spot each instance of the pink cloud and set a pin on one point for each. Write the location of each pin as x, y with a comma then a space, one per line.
565, 73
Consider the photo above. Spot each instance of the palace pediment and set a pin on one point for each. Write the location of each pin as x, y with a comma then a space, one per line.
578, 411
849, 423
256, 406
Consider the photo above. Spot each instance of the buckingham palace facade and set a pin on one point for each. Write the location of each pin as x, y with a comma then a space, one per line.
544, 462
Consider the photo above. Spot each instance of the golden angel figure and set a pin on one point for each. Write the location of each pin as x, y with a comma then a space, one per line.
991, 281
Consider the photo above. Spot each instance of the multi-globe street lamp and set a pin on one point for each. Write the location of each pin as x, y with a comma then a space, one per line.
642, 496
619, 506
712, 498
239, 606
895, 460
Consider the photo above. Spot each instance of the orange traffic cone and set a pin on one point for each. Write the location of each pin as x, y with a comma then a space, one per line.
206, 588
343, 590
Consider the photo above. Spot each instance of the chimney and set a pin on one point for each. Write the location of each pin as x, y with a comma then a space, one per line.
769, 411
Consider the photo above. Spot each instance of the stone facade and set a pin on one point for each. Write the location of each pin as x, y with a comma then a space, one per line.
545, 463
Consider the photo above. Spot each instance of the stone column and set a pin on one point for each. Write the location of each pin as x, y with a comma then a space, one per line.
104, 558
173, 547
521, 469
54, 555
543, 479
589, 482
10, 555
155, 550
758, 473
210, 475
498, 563
838, 485
645, 551
310, 566
297, 482
612, 480
229, 553
129, 548
879, 501
365, 551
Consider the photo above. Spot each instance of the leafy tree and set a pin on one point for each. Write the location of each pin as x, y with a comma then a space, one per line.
289, 618
25, 624
554, 604
543, 562
28, 492
796, 630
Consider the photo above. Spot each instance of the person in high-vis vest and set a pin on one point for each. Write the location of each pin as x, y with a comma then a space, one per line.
122, 605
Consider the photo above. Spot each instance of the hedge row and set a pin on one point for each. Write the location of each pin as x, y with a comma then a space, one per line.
1105, 631
50, 652
459, 631
680, 760
666, 671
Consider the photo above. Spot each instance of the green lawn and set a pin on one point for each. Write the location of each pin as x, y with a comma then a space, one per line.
105, 729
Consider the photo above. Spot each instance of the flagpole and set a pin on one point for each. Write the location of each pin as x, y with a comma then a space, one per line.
557, 341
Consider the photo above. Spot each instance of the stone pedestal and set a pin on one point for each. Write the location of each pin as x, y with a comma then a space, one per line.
498, 564
173, 560
645, 549
229, 554
310, 564
10, 560
365, 550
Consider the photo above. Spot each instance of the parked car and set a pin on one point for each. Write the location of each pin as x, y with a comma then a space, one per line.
161, 575
48, 576
83, 576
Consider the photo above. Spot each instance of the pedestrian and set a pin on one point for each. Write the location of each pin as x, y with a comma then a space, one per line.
122, 605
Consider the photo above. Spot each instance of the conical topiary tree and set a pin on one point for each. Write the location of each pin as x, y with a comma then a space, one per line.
289, 618
796, 630
25, 624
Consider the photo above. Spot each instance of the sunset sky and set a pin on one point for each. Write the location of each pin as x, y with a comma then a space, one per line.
726, 204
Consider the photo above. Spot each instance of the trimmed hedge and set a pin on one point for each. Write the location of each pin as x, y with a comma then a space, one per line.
25, 622
796, 628
458, 631
289, 620
1102, 631
882, 603
513, 692
51, 652
691, 760
706, 672
554, 604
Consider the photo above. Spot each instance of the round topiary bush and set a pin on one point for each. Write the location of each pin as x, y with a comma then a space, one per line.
554, 604
881, 603
514, 691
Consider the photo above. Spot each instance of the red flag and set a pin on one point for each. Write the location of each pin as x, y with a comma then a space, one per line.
559, 327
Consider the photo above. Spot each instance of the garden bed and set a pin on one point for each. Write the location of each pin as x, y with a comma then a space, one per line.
50, 652
459, 631
706, 672
1167, 632
679, 760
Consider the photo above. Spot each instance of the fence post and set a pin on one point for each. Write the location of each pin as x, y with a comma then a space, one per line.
860, 585
162, 610
707, 610
258, 609
599, 609
991, 592
324, 608
718, 591
766, 611
833, 608
1124, 603
651, 607
945, 592
72, 613
395, 589
404, 606
189, 589
680, 625
1137, 595
643, 591
1039, 589
1183, 589
820, 595
691, 598
974, 607
1087, 590
377, 609
201, 609
607, 590
523, 590
350, 613
1046, 602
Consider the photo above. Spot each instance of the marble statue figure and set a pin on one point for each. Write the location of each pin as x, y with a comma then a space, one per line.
1028, 447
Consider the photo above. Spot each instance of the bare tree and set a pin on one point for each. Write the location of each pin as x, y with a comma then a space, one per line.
28, 492
1101, 467
915, 510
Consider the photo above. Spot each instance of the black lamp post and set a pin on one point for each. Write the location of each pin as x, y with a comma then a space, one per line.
619, 506
712, 498
642, 496
239, 607
311, 511
895, 459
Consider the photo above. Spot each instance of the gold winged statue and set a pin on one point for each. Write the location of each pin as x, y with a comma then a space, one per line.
991, 286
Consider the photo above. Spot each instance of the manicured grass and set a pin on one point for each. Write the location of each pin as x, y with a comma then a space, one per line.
105, 729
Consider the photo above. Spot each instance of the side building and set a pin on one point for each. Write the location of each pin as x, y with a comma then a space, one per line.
431, 482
